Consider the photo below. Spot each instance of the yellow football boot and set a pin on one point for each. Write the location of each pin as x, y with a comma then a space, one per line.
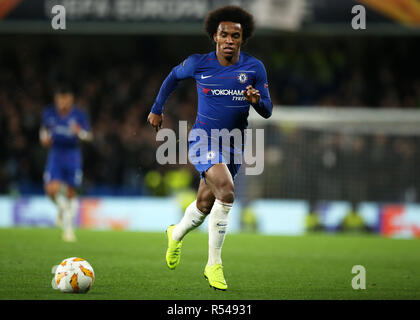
214, 274
173, 253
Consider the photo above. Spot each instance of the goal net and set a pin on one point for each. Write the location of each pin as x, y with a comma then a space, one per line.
349, 154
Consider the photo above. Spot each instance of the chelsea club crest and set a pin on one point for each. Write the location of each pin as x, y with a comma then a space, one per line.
210, 155
242, 77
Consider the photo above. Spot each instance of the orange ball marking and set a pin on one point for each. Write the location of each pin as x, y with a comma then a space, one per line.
73, 282
87, 272
78, 259
60, 276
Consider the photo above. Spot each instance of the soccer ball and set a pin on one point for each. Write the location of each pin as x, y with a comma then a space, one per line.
74, 275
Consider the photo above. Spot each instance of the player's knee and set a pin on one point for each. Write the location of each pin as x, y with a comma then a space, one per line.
226, 192
204, 205
71, 192
227, 197
52, 189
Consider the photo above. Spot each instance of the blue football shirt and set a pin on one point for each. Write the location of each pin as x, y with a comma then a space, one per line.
221, 103
60, 127
64, 161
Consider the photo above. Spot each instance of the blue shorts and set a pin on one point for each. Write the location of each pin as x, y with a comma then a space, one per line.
64, 166
203, 161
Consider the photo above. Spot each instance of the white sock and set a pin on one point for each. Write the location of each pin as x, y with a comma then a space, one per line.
218, 224
61, 202
73, 206
69, 214
192, 219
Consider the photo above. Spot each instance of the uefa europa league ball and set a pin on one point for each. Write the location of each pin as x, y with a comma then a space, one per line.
73, 275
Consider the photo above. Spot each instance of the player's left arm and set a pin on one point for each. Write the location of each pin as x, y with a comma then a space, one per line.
82, 128
259, 96
45, 136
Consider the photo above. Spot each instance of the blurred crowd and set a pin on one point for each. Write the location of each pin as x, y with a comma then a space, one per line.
379, 72
116, 79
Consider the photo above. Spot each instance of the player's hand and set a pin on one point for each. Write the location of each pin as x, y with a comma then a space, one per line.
251, 95
76, 128
45, 138
47, 142
155, 120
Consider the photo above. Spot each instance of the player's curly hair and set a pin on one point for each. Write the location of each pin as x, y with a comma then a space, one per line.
230, 13
63, 87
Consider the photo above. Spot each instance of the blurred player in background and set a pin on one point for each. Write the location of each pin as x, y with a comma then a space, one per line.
63, 126
228, 83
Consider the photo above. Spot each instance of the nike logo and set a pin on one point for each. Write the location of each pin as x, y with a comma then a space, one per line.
205, 77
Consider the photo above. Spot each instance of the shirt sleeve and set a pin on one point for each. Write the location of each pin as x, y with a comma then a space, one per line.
184, 70
84, 121
265, 106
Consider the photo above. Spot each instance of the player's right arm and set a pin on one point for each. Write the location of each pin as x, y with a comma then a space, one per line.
182, 71
45, 137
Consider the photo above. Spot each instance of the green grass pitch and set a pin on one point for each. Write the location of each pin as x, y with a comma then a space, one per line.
131, 265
